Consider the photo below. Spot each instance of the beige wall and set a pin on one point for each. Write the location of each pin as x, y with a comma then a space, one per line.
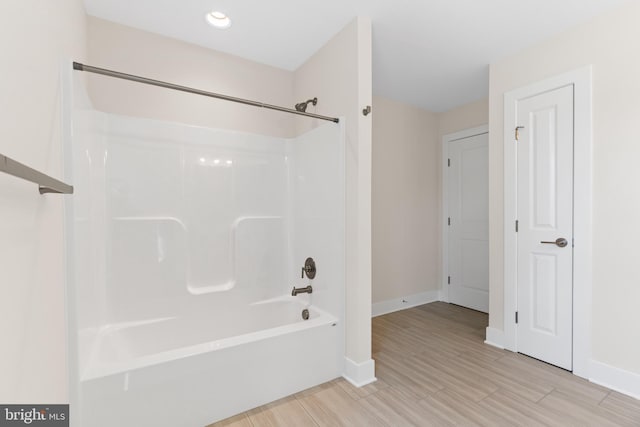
609, 43
134, 51
464, 117
407, 194
339, 74
405, 200
36, 37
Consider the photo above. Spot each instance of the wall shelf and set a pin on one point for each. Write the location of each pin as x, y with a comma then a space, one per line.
46, 184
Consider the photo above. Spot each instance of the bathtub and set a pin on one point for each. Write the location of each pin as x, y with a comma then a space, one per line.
184, 244
175, 372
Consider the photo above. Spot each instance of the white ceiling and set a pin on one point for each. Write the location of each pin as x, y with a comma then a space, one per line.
429, 53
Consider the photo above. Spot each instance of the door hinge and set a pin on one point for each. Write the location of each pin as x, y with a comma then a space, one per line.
516, 317
449, 221
517, 225
448, 280
518, 132
449, 163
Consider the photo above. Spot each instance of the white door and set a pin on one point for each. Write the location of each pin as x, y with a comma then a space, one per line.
468, 222
545, 226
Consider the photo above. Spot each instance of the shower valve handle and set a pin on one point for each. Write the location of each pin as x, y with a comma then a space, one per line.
309, 269
306, 270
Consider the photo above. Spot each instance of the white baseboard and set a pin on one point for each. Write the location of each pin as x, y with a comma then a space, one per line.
617, 379
359, 374
385, 307
495, 337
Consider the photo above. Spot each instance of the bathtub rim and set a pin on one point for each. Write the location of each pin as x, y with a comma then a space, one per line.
95, 370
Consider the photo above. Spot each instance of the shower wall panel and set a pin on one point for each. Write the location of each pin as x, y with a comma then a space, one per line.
181, 217
316, 175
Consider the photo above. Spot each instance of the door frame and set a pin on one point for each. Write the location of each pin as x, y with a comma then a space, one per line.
582, 211
446, 139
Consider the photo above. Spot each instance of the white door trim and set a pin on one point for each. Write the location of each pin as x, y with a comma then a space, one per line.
444, 235
583, 172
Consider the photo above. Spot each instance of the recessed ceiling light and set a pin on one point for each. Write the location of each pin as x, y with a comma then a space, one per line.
218, 19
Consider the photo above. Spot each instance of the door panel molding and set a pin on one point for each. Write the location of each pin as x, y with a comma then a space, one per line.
582, 271
446, 139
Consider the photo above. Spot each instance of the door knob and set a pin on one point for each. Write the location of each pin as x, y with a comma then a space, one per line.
560, 242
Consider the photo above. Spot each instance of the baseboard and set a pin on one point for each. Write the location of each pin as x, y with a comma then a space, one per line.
385, 307
495, 338
359, 374
617, 379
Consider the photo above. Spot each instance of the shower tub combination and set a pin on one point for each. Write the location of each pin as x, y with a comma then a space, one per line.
186, 242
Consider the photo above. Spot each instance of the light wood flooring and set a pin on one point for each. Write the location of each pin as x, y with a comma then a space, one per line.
433, 369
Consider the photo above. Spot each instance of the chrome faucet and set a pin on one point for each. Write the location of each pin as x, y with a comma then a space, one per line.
307, 290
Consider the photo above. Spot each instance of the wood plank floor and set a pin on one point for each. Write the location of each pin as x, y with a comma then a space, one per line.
433, 369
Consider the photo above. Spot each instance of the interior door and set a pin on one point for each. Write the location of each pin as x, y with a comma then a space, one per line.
468, 222
545, 226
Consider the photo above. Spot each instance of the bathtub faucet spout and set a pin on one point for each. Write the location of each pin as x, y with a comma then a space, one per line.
307, 290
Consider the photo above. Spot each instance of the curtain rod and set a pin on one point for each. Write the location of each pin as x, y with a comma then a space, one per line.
138, 79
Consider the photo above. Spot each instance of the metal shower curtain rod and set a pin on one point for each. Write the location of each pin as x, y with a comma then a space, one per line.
138, 79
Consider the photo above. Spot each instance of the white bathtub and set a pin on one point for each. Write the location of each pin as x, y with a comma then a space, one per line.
192, 371
175, 232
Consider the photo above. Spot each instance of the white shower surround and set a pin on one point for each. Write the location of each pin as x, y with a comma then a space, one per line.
187, 241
